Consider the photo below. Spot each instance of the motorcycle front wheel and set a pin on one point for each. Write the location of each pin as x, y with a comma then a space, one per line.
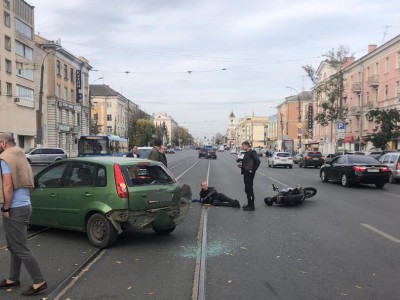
309, 192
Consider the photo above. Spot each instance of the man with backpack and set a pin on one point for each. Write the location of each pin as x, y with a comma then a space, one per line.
250, 164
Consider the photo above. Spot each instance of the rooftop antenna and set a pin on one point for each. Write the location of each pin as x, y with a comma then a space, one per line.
385, 33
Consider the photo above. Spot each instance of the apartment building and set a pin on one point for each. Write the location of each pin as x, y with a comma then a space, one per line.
18, 99
64, 95
372, 82
251, 129
110, 110
271, 132
162, 118
292, 120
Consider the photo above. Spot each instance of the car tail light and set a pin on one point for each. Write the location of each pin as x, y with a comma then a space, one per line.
289, 158
277, 157
384, 169
120, 184
308, 157
398, 166
322, 158
359, 169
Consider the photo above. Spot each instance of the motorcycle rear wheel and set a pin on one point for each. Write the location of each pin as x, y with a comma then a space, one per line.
309, 192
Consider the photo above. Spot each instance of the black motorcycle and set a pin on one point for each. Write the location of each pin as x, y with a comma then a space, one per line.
290, 196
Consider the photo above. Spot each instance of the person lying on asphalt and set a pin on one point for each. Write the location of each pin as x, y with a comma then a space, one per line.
209, 195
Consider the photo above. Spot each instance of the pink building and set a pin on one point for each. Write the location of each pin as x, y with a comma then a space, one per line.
371, 82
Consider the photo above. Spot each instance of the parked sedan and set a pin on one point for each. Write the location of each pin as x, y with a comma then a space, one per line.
355, 169
392, 160
296, 158
280, 159
104, 196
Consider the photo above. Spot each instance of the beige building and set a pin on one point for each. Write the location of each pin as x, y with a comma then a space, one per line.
160, 119
251, 129
65, 95
18, 98
271, 133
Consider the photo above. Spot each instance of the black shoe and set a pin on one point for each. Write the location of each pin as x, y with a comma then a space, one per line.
248, 208
236, 203
5, 285
32, 291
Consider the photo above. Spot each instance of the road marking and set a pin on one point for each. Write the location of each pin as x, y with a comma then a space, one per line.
384, 234
177, 178
208, 172
179, 164
398, 196
281, 183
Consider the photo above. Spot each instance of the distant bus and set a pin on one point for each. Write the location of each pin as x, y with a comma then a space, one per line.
102, 145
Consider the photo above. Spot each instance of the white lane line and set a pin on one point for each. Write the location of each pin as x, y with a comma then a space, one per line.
208, 172
398, 196
277, 181
384, 234
178, 164
177, 178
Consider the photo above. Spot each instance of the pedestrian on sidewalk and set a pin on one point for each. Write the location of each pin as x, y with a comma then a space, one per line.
133, 152
209, 195
250, 164
16, 182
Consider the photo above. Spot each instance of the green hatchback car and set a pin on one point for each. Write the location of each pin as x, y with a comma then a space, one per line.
103, 196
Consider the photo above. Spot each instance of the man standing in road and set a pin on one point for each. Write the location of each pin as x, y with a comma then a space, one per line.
16, 181
250, 165
157, 153
133, 152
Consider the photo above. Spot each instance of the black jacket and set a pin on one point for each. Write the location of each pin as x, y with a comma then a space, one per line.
250, 162
130, 154
209, 193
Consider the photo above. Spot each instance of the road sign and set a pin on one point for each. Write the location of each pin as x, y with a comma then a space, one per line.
299, 132
299, 125
341, 126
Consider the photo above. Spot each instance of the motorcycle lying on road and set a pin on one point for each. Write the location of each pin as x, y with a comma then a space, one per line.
290, 196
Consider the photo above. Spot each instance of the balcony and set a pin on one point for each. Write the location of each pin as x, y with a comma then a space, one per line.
356, 87
373, 81
355, 111
370, 105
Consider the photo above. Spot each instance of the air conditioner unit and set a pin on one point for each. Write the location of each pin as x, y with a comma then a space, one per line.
16, 99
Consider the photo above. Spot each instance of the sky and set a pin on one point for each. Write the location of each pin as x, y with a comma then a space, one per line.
200, 60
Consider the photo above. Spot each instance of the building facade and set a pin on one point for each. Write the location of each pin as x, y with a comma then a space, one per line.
251, 129
18, 98
271, 132
292, 120
161, 119
64, 96
230, 132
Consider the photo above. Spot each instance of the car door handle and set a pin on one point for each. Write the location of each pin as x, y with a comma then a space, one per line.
52, 195
87, 194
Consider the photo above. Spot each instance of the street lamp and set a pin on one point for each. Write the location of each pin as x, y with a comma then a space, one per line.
39, 133
90, 105
299, 112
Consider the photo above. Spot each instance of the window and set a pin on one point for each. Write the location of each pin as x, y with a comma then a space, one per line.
78, 119
58, 68
7, 43
108, 104
8, 66
72, 95
101, 179
8, 89
109, 117
109, 129
65, 72
376, 69
386, 92
6, 4
72, 74
387, 65
23, 29
21, 141
23, 50
65, 93
58, 91
27, 74
397, 91
376, 95
52, 177
398, 60
7, 20
25, 93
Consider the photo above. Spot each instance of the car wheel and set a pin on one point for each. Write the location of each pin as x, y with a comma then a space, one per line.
323, 177
391, 178
290, 167
269, 165
345, 181
273, 165
100, 231
379, 185
163, 231
299, 164
315, 166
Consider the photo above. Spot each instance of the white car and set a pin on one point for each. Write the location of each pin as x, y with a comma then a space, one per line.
280, 159
233, 151
240, 155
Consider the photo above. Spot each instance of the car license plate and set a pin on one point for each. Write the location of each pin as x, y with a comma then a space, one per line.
284, 159
315, 158
372, 170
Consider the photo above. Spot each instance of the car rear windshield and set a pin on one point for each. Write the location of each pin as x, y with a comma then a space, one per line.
145, 174
314, 154
283, 154
361, 159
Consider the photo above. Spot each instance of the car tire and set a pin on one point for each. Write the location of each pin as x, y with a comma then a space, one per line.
299, 164
269, 166
345, 181
273, 165
290, 167
315, 166
101, 233
163, 231
379, 185
323, 176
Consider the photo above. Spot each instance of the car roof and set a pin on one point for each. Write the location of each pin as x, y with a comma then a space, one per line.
111, 160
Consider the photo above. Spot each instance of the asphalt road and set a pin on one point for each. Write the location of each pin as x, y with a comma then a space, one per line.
341, 244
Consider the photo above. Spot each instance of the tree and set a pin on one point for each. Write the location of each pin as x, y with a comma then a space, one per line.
218, 138
162, 132
386, 126
181, 136
143, 131
329, 92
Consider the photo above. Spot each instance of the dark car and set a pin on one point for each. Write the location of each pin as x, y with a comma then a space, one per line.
211, 154
354, 169
203, 152
311, 158
329, 157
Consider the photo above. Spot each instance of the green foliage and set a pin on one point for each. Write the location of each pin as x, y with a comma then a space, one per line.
386, 126
142, 133
181, 136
